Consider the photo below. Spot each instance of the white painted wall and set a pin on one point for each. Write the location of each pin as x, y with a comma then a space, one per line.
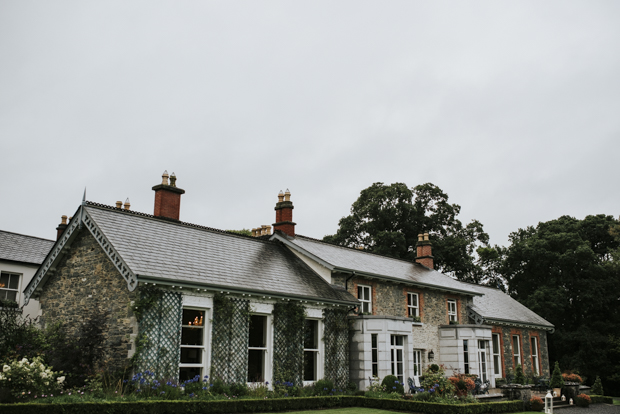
26, 271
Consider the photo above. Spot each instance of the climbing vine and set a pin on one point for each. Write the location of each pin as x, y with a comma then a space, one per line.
229, 352
148, 296
336, 334
289, 326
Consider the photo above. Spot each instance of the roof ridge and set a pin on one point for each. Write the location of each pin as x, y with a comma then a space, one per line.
359, 250
26, 235
178, 222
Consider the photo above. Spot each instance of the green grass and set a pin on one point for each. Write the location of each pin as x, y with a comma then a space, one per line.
349, 410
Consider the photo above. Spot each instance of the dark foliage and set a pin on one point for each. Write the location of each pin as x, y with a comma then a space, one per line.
392, 384
567, 271
386, 219
19, 335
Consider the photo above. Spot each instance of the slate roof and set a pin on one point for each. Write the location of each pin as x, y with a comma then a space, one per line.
495, 305
160, 249
347, 259
25, 249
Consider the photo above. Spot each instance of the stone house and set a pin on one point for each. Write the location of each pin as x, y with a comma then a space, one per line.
186, 300
20, 257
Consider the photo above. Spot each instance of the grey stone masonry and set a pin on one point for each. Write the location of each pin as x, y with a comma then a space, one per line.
87, 278
525, 342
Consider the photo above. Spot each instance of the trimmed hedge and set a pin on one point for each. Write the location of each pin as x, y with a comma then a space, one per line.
253, 406
601, 399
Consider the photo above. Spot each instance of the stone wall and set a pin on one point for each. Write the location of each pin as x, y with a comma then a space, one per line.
390, 299
86, 278
525, 336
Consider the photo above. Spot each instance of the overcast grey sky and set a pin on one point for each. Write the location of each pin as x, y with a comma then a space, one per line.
512, 108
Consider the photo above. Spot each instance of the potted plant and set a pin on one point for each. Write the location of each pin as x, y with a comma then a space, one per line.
556, 380
415, 318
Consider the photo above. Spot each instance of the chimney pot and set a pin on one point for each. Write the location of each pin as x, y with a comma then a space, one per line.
127, 204
164, 178
119, 204
280, 196
425, 236
287, 195
173, 180
61, 227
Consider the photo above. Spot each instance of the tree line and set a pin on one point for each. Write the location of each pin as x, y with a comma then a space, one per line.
566, 270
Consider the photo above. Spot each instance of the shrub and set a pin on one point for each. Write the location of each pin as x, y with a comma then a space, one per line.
19, 336
436, 382
600, 399
569, 377
597, 388
463, 384
391, 383
556, 378
583, 400
536, 403
519, 378
26, 379
219, 387
323, 387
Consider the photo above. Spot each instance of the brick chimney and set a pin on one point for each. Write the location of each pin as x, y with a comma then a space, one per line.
424, 254
284, 214
167, 198
61, 227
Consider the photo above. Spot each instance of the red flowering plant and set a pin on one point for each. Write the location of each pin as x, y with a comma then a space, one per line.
463, 384
583, 400
570, 377
536, 403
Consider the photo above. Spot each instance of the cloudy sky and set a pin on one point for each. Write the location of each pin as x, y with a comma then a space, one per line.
512, 108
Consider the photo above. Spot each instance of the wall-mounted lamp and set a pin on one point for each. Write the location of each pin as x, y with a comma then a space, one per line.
431, 355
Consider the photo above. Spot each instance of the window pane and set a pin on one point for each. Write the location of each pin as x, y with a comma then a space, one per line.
257, 331
14, 282
191, 355
189, 373
192, 336
9, 295
255, 365
310, 334
4, 281
374, 340
360, 292
193, 317
310, 366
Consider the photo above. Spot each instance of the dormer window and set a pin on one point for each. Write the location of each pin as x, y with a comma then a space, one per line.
364, 294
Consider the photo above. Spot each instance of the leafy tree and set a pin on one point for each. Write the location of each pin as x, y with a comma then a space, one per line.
386, 219
565, 271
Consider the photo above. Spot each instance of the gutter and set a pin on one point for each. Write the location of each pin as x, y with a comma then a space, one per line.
240, 291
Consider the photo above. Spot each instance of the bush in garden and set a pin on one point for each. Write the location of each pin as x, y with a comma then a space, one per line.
597, 388
570, 377
519, 377
219, 387
19, 335
391, 383
463, 384
27, 379
378, 390
536, 403
583, 400
323, 387
556, 377
436, 382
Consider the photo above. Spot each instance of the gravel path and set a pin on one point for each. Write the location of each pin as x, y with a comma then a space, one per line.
597, 409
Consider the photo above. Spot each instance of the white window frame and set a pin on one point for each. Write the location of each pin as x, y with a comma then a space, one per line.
516, 354
417, 362
534, 345
365, 299
413, 309
452, 311
5, 289
204, 365
374, 355
483, 346
466, 359
497, 356
395, 363
267, 349
319, 359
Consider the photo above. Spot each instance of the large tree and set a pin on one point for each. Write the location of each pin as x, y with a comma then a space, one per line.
565, 270
387, 219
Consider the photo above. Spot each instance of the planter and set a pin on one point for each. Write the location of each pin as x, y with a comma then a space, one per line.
571, 390
558, 392
517, 392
